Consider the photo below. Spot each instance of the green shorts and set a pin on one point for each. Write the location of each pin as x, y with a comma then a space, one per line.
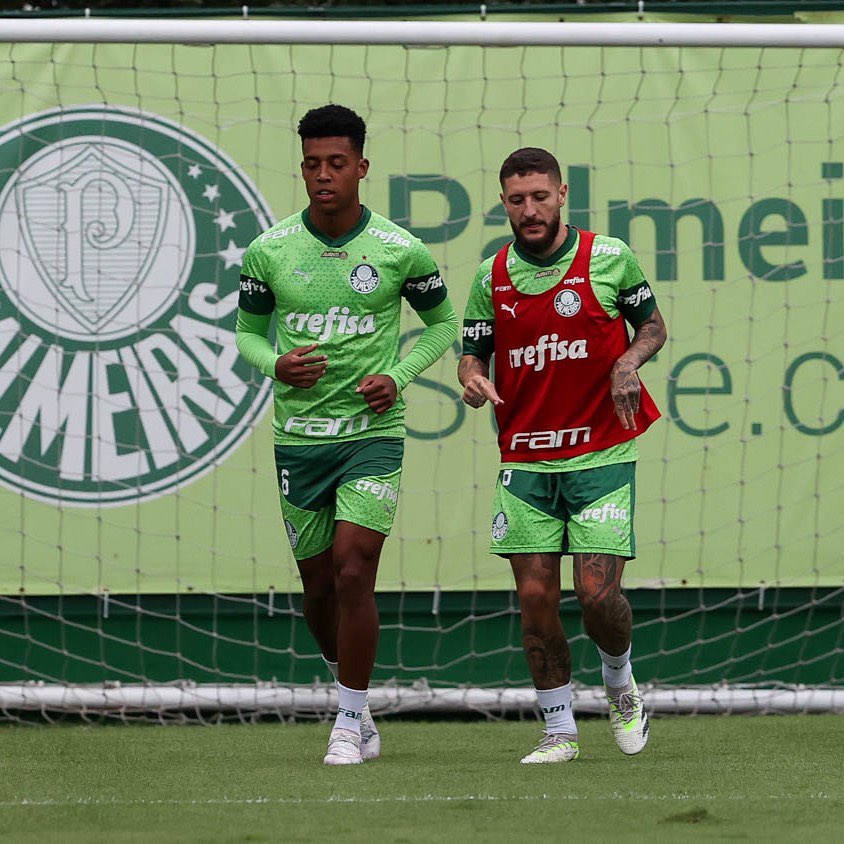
318, 485
582, 512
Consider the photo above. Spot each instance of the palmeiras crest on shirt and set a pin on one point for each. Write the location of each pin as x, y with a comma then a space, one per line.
567, 303
364, 278
121, 237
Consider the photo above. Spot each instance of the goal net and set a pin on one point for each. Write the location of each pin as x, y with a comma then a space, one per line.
146, 572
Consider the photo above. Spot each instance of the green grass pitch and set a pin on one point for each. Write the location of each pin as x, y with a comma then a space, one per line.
700, 779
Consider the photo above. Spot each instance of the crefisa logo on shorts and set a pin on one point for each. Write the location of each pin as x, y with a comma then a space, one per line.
121, 235
500, 526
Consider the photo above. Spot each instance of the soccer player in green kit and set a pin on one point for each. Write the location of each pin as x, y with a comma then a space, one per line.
553, 308
335, 275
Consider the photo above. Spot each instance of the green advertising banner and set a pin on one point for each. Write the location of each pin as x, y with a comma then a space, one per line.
135, 446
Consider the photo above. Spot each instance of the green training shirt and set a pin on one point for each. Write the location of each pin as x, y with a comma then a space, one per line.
620, 287
344, 295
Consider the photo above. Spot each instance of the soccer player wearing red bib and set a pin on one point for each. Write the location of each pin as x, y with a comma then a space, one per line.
553, 309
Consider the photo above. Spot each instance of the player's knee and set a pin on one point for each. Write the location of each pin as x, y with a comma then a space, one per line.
538, 601
596, 601
354, 580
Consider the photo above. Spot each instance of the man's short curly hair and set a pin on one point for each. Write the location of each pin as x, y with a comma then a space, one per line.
334, 121
530, 160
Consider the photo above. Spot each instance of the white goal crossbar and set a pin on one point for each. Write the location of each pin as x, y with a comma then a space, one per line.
425, 33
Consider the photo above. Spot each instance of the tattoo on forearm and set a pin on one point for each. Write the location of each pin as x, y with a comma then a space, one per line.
648, 339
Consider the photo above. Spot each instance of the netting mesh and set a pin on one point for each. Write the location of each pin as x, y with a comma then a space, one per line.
138, 509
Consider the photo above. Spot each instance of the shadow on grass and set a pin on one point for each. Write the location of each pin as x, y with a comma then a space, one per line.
696, 815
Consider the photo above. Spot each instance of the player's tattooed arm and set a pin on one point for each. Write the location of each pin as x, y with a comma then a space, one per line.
473, 374
648, 338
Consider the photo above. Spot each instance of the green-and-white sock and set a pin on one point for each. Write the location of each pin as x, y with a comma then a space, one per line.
556, 709
616, 670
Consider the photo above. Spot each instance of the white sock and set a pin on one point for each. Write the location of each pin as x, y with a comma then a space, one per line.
333, 667
556, 708
616, 670
349, 707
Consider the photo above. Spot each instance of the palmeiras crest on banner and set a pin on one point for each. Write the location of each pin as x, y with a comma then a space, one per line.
121, 237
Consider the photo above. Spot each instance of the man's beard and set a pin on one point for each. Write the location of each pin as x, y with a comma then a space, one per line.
537, 247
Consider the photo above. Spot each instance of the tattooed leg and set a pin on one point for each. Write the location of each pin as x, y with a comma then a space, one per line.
607, 617
546, 647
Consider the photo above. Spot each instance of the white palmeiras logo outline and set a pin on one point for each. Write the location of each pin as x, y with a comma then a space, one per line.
567, 303
292, 533
121, 234
500, 526
364, 278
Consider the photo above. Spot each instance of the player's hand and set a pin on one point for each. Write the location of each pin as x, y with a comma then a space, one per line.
626, 390
478, 390
299, 368
379, 391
